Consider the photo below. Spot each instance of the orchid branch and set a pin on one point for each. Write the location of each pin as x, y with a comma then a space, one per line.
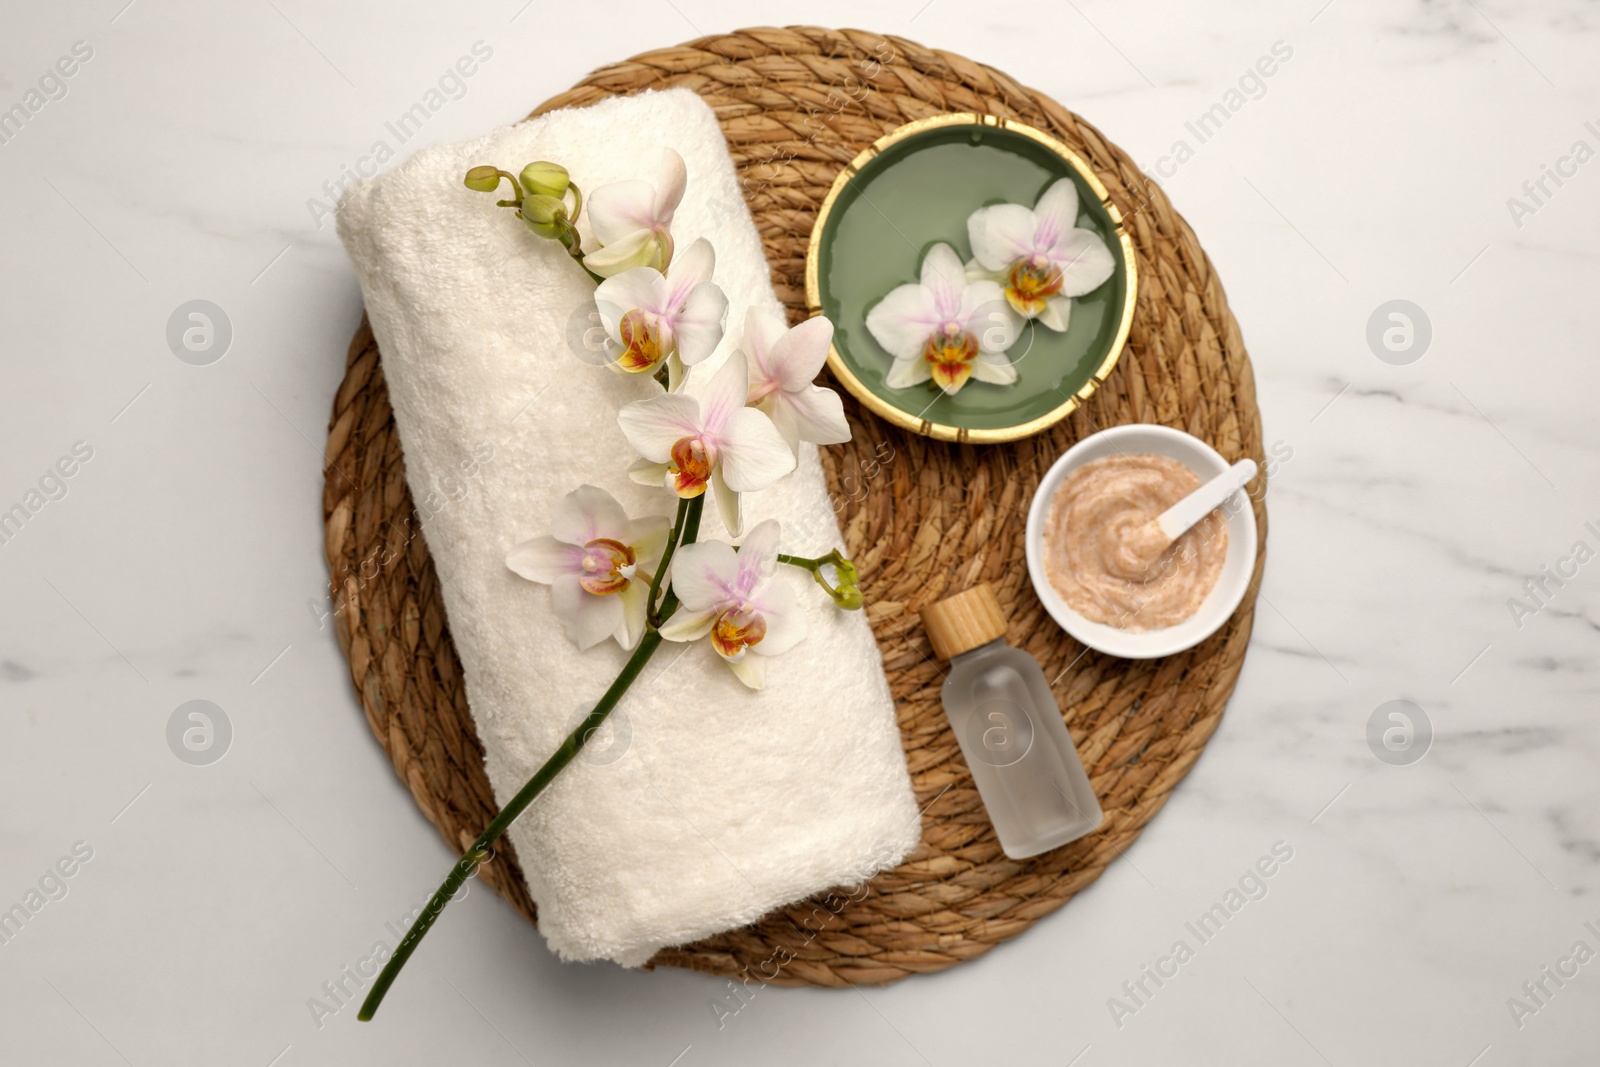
685, 529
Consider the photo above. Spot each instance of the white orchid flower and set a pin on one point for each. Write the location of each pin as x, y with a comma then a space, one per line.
1041, 256
946, 327
784, 363
674, 318
598, 564
737, 599
716, 441
632, 220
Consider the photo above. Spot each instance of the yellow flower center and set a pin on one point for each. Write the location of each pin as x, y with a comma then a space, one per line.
690, 466
736, 630
608, 566
1030, 282
950, 353
641, 343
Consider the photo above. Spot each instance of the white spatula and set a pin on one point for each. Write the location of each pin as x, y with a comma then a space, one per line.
1200, 503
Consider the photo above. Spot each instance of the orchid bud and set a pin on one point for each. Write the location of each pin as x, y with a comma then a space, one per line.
484, 179
546, 179
545, 215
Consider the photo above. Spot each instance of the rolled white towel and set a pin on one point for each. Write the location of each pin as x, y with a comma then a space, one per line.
724, 803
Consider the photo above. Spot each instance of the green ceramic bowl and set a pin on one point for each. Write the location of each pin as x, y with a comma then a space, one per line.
915, 187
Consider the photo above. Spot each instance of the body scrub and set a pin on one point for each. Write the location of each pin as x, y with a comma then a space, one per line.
1110, 562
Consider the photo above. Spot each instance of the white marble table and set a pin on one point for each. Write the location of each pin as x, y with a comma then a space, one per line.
1397, 152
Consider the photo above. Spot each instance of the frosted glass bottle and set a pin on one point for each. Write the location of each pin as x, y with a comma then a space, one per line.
1010, 729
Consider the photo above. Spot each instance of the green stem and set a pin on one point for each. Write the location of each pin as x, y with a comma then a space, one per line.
685, 528
577, 201
516, 187
482, 847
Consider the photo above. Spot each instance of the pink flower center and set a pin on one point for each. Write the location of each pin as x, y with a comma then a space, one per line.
607, 566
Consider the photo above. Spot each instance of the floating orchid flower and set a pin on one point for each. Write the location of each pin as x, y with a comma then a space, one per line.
674, 318
784, 363
736, 599
946, 327
597, 563
1040, 255
716, 441
632, 220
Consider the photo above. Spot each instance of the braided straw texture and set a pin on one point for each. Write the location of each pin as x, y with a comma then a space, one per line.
923, 519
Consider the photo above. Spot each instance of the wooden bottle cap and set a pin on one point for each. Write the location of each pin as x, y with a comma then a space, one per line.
962, 622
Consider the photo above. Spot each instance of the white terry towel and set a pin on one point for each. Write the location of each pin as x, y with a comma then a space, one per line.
724, 803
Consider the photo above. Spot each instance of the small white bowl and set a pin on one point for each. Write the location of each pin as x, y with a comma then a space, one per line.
1147, 439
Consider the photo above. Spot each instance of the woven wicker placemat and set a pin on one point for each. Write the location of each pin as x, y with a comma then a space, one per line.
921, 518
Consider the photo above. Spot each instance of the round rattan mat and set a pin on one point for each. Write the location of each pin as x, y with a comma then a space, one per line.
922, 519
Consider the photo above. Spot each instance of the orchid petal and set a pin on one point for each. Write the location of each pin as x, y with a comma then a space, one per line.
989, 316
544, 559
814, 414
589, 619
901, 321
692, 268
1056, 314
1000, 235
703, 574
725, 395
944, 275
652, 426
586, 513
640, 248
635, 606
638, 287
753, 454
951, 376
728, 505
797, 355
688, 625
699, 323
1056, 213
977, 273
1085, 262
669, 190
786, 623
908, 372
677, 374
994, 369
647, 473
751, 670
758, 554
648, 536
763, 328
620, 209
